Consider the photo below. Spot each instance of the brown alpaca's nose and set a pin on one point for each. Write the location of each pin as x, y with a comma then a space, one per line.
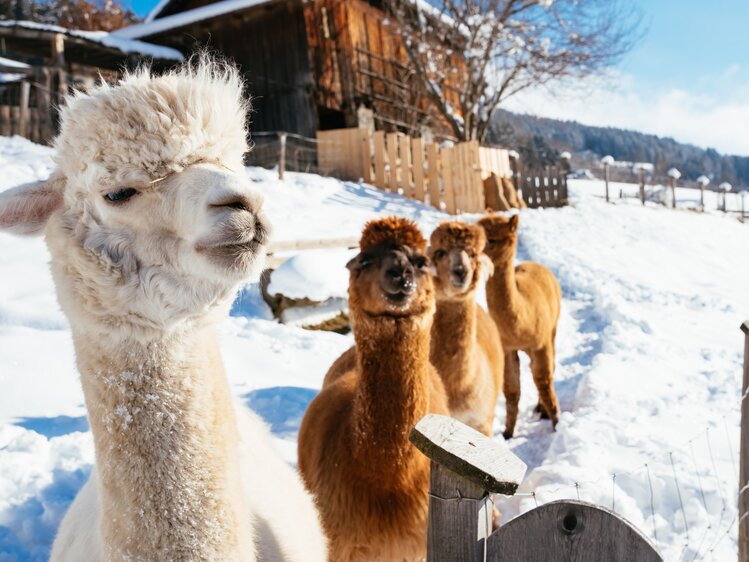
399, 279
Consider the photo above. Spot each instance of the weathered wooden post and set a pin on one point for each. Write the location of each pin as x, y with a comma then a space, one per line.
673, 175
744, 469
282, 156
743, 203
724, 187
703, 182
23, 103
466, 468
607, 161
566, 159
641, 168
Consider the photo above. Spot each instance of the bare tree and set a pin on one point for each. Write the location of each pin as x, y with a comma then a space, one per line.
471, 55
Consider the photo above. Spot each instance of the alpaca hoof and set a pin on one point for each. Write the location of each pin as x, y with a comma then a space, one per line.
507, 433
539, 409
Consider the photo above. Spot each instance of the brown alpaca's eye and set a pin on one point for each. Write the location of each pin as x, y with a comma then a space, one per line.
439, 254
121, 195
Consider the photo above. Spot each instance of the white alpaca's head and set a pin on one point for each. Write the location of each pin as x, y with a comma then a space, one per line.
149, 217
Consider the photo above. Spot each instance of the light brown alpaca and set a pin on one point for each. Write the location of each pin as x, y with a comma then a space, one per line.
524, 301
466, 348
354, 454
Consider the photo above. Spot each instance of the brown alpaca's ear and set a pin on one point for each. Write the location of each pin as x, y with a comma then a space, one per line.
513, 223
359, 262
25, 209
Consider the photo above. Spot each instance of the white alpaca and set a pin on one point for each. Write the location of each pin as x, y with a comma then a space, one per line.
152, 227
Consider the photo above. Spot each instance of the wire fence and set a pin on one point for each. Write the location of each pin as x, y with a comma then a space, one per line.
288, 152
703, 530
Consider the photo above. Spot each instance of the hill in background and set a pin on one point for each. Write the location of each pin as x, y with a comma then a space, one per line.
540, 141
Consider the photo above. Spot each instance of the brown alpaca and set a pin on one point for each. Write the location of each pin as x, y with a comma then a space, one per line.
524, 301
466, 348
354, 454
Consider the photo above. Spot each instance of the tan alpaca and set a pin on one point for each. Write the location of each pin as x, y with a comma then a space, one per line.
524, 301
466, 348
152, 226
354, 454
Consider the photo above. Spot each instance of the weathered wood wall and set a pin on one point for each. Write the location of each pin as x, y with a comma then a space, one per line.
269, 43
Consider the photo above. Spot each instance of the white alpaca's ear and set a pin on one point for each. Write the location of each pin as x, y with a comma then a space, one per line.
25, 209
487, 266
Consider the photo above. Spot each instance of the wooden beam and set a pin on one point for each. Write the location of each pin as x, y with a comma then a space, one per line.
23, 126
486, 462
58, 50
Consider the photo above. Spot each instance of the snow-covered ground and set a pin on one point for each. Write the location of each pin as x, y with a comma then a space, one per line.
648, 359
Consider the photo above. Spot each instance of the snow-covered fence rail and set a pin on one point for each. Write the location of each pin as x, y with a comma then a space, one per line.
744, 466
467, 467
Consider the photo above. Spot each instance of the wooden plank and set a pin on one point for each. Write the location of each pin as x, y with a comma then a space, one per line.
15, 118
392, 147
570, 530
313, 244
744, 454
433, 163
5, 128
417, 153
486, 462
366, 148
379, 147
404, 144
460, 517
446, 156
23, 104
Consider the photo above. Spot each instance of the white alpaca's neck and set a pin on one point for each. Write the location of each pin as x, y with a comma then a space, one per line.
166, 447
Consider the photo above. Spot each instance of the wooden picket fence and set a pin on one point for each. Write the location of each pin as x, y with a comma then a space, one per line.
448, 178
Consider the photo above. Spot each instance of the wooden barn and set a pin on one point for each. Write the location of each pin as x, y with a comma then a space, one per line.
40, 63
314, 65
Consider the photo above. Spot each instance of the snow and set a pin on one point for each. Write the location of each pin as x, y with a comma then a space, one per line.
314, 274
121, 43
10, 63
154, 25
7, 78
648, 357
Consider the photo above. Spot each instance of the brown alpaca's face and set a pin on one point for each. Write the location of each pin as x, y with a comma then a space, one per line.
391, 281
457, 266
501, 236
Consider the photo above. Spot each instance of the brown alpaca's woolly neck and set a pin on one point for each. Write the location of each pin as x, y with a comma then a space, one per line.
392, 392
453, 347
166, 445
502, 295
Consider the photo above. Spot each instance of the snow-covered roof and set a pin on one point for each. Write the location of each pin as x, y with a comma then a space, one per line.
6, 78
153, 26
10, 63
104, 38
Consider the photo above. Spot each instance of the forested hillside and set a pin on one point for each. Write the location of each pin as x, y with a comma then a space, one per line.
540, 141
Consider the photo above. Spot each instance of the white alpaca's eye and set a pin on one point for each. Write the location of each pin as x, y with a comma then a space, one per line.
120, 195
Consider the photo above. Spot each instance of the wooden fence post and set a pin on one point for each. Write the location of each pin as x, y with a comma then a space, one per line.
5, 129
446, 157
282, 156
23, 127
744, 470
404, 143
642, 185
366, 148
466, 467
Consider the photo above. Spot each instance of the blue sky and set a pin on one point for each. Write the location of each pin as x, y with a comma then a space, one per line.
687, 78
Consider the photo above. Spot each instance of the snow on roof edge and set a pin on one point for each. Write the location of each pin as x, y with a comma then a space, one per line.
156, 10
124, 44
10, 63
182, 19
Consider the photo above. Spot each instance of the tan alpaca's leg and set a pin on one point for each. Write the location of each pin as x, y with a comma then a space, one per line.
511, 390
542, 367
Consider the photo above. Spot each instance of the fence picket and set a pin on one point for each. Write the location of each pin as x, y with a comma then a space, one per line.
5, 128
433, 160
404, 144
417, 151
379, 148
392, 146
446, 156
366, 148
